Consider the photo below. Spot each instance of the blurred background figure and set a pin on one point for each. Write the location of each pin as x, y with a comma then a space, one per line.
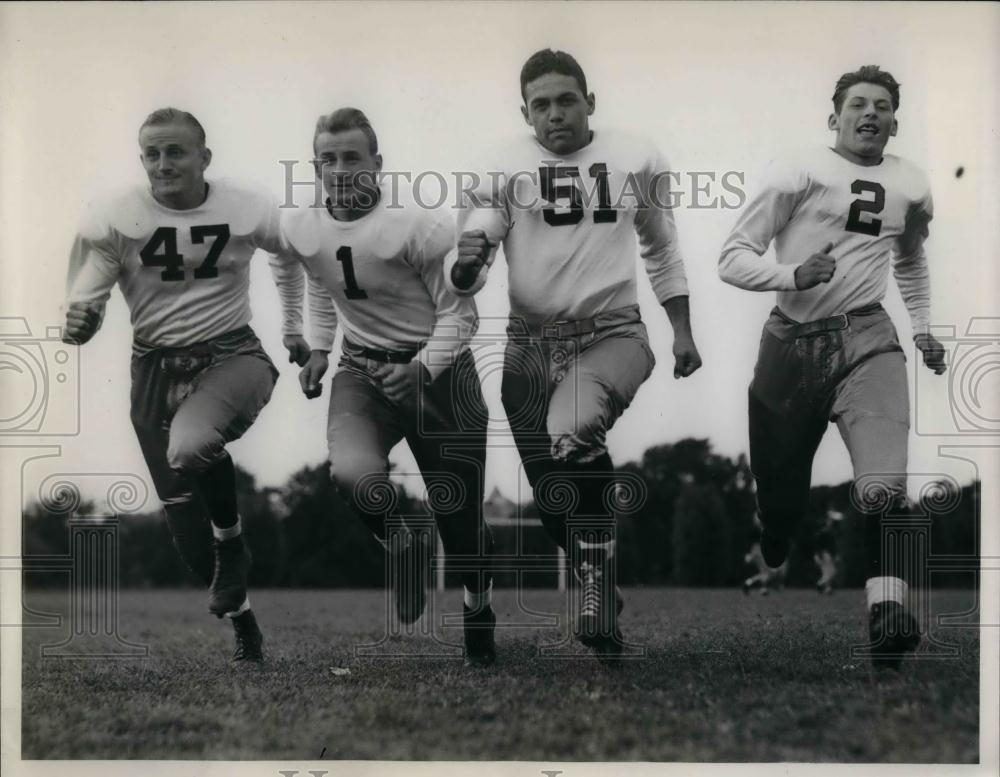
765, 578
827, 557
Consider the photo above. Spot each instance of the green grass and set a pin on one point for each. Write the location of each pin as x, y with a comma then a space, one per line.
725, 678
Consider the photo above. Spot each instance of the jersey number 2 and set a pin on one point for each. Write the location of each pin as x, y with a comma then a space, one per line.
165, 238
854, 221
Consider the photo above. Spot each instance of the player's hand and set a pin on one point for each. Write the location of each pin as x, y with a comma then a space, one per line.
933, 352
815, 270
83, 319
402, 382
473, 251
312, 373
686, 357
298, 349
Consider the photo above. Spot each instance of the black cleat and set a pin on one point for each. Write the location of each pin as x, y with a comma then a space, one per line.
479, 627
893, 632
228, 590
249, 640
410, 577
597, 620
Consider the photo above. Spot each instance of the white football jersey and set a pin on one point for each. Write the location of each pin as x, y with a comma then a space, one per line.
569, 225
873, 216
380, 277
185, 274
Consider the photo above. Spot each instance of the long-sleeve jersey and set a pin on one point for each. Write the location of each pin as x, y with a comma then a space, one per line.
874, 216
185, 274
569, 224
380, 277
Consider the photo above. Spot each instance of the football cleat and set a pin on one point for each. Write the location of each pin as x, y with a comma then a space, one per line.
893, 632
228, 590
410, 573
597, 619
249, 640
479, 627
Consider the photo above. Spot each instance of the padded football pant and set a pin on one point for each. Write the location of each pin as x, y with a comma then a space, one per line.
562, 392
854, 376
187, 404
446, 432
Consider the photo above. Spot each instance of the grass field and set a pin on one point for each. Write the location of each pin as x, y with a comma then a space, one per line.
725, 678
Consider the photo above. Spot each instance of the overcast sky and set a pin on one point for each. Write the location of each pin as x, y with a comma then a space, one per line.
718, 87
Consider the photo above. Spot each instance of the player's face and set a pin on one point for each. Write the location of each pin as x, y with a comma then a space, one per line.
558, 111
865, 123
347, 167
175, 161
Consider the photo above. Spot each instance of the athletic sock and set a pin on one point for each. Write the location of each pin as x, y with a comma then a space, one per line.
479, 600
218, 488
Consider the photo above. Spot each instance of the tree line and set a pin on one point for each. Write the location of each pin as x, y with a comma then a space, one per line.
687, 522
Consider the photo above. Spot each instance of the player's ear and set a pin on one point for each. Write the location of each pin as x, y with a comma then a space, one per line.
524, 113
591, 104
206, 158
378, 162
893, 128
833, 122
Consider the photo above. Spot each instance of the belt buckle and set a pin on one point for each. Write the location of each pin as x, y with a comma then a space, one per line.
553, 331
842, 321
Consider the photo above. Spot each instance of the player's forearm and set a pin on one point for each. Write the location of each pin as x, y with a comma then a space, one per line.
290, 282
451, 334
744, 268
913, 280
322, 318
679, 312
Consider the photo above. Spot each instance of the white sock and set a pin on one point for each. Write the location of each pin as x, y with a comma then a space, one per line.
242, 609
228, 533
885, 589
477, 601
608, 547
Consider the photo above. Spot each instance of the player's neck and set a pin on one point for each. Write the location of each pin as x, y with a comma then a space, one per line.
184, 200
864, 161
351, 212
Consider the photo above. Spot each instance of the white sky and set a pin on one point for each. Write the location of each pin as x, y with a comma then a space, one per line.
718, 87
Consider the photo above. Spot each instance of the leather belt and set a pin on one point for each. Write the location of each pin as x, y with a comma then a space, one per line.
387, 357
831, 324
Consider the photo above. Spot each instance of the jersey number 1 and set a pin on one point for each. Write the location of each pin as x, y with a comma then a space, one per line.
351, 290
854, 221
165, 238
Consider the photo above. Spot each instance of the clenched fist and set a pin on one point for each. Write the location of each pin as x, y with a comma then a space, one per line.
815, 270
83, 319
473, 252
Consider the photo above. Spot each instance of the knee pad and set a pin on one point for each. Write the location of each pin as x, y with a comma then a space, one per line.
195, 453
363, 484
577, 447
879, 494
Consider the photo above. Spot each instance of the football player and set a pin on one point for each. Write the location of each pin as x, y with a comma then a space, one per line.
180, 251
374, 265
839, 218
567, 203
764, 578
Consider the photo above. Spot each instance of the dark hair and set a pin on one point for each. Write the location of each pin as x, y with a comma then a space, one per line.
869, 74
549, 61
163, 116
344, 119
